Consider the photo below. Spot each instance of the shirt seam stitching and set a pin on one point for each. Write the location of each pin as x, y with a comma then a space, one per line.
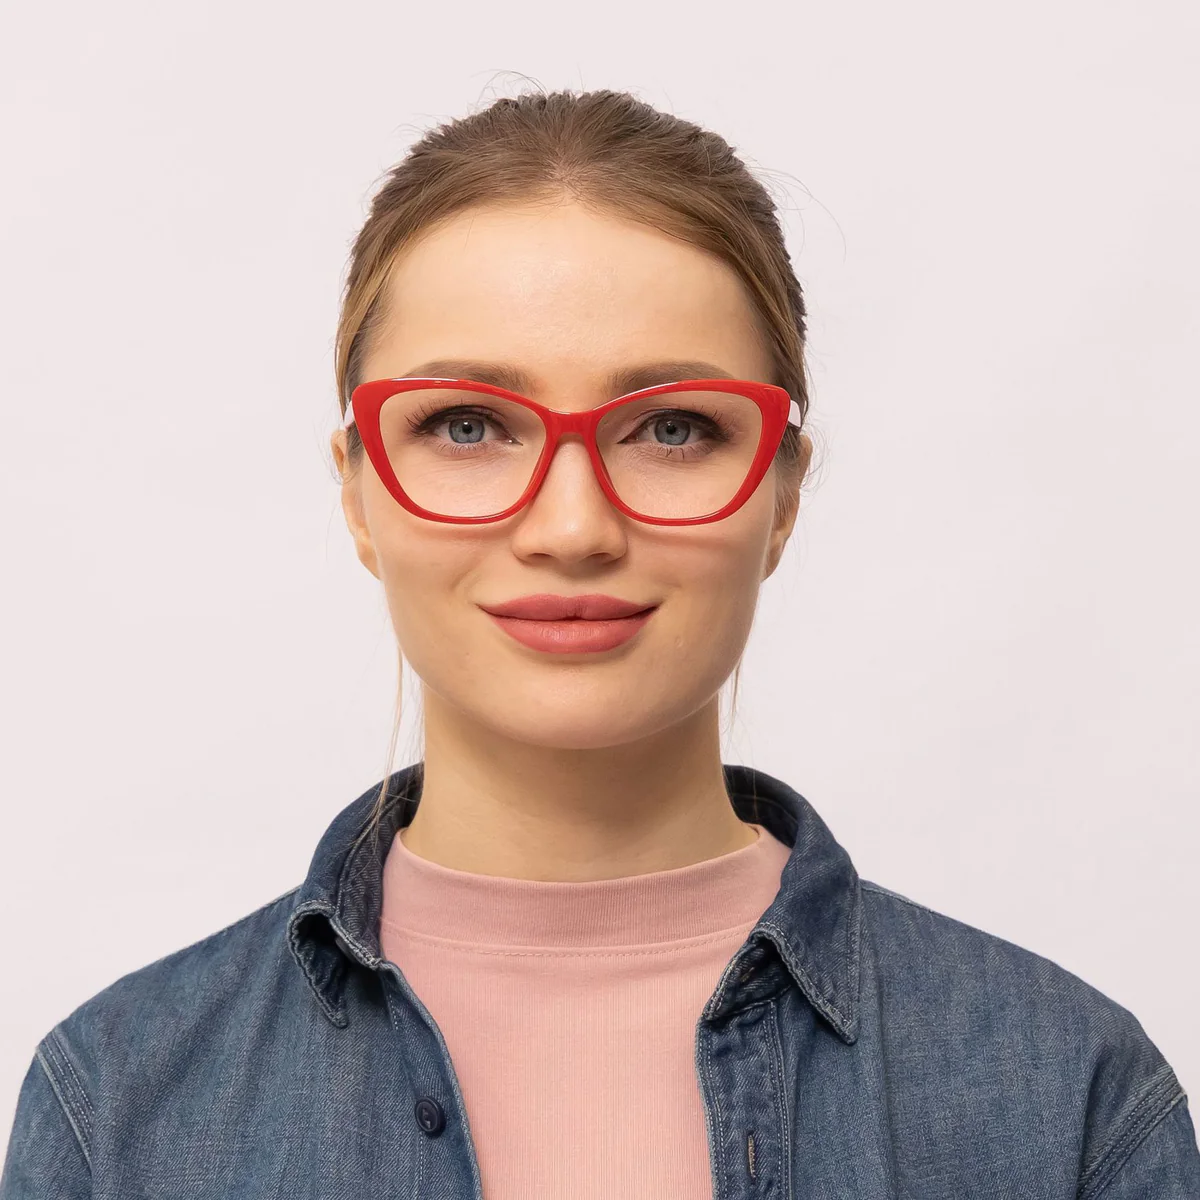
77, 1109
627, 950
1161, 1095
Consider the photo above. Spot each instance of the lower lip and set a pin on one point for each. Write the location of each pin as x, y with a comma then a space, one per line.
573, 637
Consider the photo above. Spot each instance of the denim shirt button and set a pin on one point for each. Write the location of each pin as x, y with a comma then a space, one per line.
430, 1116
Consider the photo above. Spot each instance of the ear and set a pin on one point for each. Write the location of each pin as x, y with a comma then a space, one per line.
787, 506
352, 505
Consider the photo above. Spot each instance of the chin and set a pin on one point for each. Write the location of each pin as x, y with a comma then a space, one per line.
588, 718
565, 730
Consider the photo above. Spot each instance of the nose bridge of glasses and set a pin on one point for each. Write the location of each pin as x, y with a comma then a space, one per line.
569, 435
568, 427
575, 424
572, 431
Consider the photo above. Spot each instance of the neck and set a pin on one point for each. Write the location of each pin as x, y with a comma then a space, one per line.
493, 806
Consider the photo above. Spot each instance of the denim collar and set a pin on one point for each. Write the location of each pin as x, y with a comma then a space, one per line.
808, 937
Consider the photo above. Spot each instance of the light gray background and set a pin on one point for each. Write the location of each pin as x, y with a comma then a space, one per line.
978, 660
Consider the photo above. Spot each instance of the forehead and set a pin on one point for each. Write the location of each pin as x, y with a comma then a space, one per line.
561, 291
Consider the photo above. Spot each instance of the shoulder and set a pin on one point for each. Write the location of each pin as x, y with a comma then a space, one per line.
945, 961
203, 972
963, 978
144, 1027
958, 998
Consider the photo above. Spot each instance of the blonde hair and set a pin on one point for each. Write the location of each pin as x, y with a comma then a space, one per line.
615, 153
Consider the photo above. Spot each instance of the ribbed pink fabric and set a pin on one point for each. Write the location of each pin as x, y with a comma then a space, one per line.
570, 1012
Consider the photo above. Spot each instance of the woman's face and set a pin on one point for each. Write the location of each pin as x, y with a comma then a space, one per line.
567, 296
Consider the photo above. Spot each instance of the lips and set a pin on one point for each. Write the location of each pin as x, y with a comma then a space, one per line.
571, 624
546, 607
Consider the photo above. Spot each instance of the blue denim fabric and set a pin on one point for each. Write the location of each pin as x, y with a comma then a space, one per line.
858, 1046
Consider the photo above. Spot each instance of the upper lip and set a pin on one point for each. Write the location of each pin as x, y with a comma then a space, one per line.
547, 607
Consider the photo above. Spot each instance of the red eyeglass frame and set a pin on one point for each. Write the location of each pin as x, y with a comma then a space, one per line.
368, 398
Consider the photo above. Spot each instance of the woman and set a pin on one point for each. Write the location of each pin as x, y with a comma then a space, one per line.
570, 952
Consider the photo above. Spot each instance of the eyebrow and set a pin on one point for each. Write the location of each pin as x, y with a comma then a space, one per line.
619, 382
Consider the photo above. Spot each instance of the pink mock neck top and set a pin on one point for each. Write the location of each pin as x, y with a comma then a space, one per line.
570, 1009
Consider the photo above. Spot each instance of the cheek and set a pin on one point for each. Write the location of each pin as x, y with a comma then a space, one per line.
714, 575
730, 555
421, 568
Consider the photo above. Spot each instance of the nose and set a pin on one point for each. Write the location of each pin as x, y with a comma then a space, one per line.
570, 517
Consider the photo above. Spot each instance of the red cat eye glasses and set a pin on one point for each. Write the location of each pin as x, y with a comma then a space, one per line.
470, 477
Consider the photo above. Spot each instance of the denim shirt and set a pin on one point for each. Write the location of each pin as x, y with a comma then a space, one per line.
858, 1046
